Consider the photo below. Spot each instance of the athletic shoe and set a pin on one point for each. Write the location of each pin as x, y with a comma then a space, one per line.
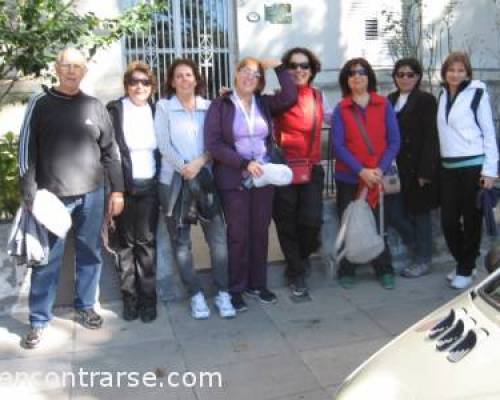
199, 307
33, 337
89, 318
238, 302
224, 305
265, 296
299, 287
387, 281
453, 273
416, 270
461, 282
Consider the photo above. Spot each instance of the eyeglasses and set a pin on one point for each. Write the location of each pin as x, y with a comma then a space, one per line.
143, 82
76, 67
359, 71
409, 75
302, 65
249, 73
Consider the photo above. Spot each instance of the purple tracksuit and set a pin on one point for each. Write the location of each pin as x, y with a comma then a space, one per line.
247, 212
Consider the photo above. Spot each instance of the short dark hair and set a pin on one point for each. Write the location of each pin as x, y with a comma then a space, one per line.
411, 63
313, 60
199, 89
344, 75
262, 78
140, 67
456, 57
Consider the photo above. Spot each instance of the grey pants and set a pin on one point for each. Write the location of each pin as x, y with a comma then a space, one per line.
180, 237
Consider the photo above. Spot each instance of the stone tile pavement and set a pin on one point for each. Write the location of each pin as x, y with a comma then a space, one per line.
285, 351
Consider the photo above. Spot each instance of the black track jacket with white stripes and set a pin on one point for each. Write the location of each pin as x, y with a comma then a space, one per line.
65, 146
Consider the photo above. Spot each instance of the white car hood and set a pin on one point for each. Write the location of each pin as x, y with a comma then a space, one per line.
411, 368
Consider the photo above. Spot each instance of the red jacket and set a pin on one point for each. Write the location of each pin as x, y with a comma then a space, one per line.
374, 122
293, 128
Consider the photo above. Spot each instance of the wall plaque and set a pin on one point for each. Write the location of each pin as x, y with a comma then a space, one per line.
278, 13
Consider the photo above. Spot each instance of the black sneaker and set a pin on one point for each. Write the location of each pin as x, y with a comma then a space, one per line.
265, 296
89, 318
33, 337
238, 302
299, 287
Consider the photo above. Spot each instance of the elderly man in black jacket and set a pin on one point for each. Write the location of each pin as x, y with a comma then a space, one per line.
66, 147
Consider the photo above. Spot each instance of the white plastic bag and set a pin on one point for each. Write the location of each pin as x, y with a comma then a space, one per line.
358, 239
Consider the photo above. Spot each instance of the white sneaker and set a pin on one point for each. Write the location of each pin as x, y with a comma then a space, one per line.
461, 282
453, 273
224, 305
199, 308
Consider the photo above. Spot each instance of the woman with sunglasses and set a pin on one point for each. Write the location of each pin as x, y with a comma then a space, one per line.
360, 164
409, 212
132, 118
298, 208
469, 160
179, 124
238, 135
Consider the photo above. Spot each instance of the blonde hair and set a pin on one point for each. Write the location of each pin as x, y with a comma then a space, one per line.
262, 78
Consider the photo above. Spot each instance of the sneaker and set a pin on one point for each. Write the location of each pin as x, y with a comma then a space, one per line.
199, 308
224, 305
347, 281
33, 337
299, 287
89, 318
416, 270
387, 281
265, 296
238, 302
453, 273
461, 282
130, 311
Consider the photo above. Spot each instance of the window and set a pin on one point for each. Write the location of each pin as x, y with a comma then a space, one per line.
371, 29
199, 30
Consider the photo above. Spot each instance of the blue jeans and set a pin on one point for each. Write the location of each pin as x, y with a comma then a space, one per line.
415, 229
180, 237
87, 213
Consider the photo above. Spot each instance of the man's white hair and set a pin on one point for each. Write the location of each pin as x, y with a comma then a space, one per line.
73, 51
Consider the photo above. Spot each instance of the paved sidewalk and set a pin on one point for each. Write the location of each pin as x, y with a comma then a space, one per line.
284, 351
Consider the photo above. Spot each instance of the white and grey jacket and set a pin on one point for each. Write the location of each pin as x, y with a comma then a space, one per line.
28, 241
459, 133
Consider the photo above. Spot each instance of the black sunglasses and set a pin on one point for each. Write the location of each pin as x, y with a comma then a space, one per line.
359, 71
407, 74
135, 82
302, 65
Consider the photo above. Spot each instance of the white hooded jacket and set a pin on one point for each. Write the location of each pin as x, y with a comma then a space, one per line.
460, 135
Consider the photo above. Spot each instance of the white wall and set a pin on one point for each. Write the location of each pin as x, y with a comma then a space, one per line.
334, 29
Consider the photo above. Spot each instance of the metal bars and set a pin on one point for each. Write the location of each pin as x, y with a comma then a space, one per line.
197, 29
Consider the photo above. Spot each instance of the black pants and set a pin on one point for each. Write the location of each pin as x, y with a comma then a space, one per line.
383, 263
298, 213
460, 218
137, 254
